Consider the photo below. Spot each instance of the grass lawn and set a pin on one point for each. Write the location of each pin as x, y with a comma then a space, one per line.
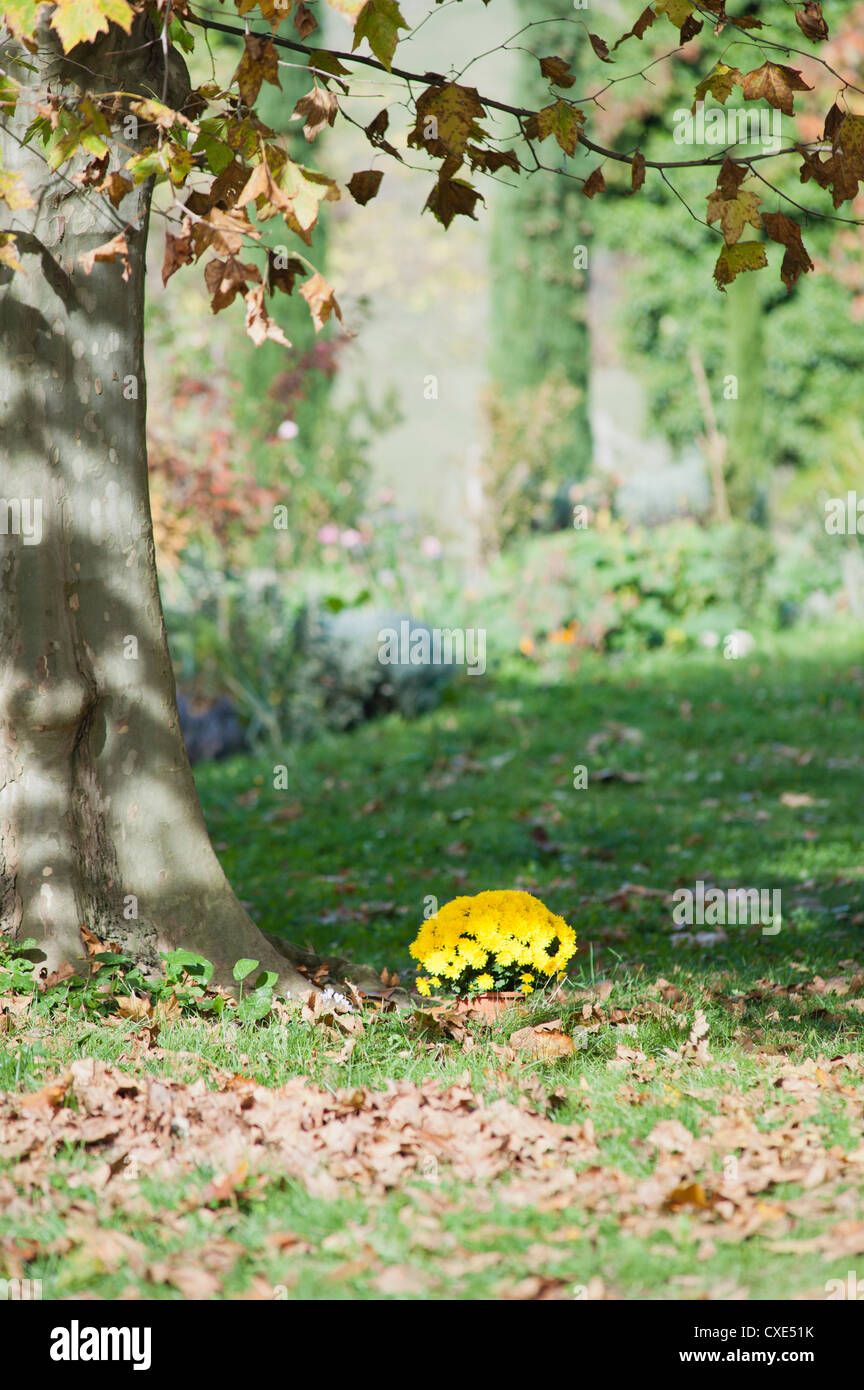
705, 1137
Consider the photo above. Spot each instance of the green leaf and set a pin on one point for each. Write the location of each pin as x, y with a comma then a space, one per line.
244, 967
255, 1006
378, 22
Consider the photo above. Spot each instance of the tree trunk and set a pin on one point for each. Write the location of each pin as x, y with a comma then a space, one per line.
100, 823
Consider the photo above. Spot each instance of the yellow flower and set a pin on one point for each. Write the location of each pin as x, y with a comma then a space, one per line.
511, 931
422, 985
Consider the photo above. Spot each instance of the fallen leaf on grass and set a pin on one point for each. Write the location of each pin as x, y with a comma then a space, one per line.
49, 1097
546, 1041
692, 1194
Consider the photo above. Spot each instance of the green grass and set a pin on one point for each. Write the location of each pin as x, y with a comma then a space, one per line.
385, 816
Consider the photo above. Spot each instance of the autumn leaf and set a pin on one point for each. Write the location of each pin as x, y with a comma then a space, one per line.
14, 191
259, 324
492, 160
559, 119
260, 63
378, 22
293, 191
51, 1096
733, 213
133, 1006
116, 187
796, 260
774, 84
849, 138
446, 119
7, 252
282, 273
21, 17
719, 82
321, 300
595, 183
224, 231
676, 11
643, 23
557, 70
811, 21
274, 11
109, 251
364, 185
545, 1041
304, 21
637, 171
225, 279
79, 21
745, 255
691, 1194
318, 109
601, 47
452, 198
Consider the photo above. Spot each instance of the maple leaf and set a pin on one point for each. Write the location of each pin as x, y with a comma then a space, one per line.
79, 21
364, 185
796, 260
294, 191
318, 108
378, 22
260, 63
446, 119
558, 71
259, 324
21, 17
719, 83
224, 230
225, 279
734, 213
643, 23
109, 251
452, 198
745, 255
595, 183
116, 187
559, 119
775, 83
320, 297
811, 21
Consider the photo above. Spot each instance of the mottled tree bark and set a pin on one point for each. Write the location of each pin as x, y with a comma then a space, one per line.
100, 823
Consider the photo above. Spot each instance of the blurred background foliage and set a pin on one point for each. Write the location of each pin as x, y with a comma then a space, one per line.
271, 501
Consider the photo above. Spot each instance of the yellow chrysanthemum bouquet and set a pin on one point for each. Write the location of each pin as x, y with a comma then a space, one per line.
503, 940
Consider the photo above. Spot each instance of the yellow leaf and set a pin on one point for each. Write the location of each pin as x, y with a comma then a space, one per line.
79, 21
